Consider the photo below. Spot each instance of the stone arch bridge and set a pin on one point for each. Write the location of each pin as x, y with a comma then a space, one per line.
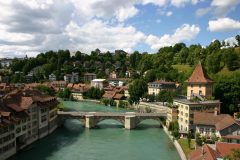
129, 119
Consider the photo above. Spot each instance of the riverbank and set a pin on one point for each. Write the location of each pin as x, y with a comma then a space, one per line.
110, 141
176, 144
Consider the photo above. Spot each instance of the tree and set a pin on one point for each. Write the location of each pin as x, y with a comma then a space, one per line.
137, 90
238, 39
198, 139
45, 90
235, 155
213, 63
232, 61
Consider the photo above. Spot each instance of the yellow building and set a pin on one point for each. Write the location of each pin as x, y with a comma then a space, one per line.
199, 88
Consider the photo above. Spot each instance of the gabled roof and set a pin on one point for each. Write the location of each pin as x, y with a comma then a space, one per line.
226, 149
199, 75
220, 121
204, 153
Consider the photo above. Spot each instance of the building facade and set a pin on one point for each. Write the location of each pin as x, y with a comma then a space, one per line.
99, 83
199, 88
156, 87
89, 76
71, 78
25, 116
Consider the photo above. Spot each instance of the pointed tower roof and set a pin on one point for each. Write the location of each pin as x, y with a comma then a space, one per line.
199, 75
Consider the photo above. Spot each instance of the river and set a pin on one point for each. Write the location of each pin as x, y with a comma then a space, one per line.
109, 141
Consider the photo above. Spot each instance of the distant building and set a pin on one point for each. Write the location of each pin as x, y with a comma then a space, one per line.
99, 83
78, 90
57, 85
52, 77
113, 75
5, 62
4, 79
117, 81
71, 78
29, 78
89, 76
156, 87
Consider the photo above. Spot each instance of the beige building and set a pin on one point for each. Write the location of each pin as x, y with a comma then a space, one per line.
99, 83
199, 87
25, 116
156, 87
199, 83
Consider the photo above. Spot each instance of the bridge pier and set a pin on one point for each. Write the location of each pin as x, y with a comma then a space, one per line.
130, 121
90, 121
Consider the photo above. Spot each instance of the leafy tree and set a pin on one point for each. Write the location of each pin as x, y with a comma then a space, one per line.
198, 140
238, 39
235, 155
212, 63
137, 90
232, 61
45, 89
165, 96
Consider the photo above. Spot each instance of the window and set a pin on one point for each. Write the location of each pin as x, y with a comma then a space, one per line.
207, 130
201, 130
200, 92
191, 91
186, 115
186, 121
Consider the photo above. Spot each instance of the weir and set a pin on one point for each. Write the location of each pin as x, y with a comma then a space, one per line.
129, 119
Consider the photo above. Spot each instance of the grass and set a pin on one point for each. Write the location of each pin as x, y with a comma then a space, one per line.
226, 72
183, 68
184, 144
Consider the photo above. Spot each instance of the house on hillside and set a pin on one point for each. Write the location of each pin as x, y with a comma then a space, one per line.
71, 78
89, 76
52, 77
99, 83
156, 87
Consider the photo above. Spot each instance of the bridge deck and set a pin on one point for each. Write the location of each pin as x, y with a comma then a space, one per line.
111, 114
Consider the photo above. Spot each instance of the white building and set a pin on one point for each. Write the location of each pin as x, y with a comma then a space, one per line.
71, 78
99, 83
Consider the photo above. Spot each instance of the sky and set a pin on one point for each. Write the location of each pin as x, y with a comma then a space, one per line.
28, 27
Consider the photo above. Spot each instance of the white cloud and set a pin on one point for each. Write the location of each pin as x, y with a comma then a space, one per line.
182, 3
184, 33
223, 24
223, 7
39, 25
202, 11
169, 13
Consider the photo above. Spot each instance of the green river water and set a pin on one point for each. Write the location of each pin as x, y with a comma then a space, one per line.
109, 141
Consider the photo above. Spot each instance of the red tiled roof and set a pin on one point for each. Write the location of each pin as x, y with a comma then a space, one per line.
203, 118
109, 94
225, 149
232, 137
225, 122
118, 96
199, 75
5, 114
204, 153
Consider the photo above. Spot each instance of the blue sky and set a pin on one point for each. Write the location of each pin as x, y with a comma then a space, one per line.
34, 26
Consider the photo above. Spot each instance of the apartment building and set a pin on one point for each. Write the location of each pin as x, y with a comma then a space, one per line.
199, 88
25, 116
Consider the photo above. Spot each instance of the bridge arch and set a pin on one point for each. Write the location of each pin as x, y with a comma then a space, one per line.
118, 119
141, 119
